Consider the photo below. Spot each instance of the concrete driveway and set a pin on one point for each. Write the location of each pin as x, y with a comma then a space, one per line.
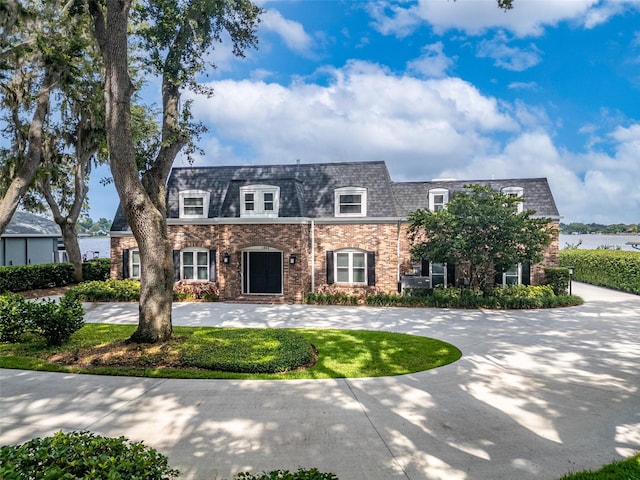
536, 394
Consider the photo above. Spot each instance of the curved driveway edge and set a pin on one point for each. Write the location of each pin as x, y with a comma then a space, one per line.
536, 394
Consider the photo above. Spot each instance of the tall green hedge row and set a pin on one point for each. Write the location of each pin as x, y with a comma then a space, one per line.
20, 278
31, 277
617, 269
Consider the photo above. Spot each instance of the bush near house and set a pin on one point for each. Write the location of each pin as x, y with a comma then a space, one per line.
617, 269
512, 297
55, 322
557, 278
96, 269
129, 291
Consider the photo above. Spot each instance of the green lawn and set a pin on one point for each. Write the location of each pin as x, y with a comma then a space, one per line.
209, 350
628, 469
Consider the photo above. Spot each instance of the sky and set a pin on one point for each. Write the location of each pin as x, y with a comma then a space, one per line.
436, 89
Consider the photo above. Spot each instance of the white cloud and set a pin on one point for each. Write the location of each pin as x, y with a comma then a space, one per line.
588, 187
527, 18
422, 128
523, 86
292, 33
365, 113
505, 56
432, 63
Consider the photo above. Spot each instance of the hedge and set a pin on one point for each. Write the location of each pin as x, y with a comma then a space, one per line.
617, 269
512, 297
30, 277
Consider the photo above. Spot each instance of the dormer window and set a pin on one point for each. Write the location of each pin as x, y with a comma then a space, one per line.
438, 198
259, 201
517, 192
194, 204
351, 202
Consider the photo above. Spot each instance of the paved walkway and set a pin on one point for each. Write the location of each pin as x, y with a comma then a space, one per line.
536, 394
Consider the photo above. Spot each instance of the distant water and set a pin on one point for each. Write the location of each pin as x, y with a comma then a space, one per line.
591, 241
95, 247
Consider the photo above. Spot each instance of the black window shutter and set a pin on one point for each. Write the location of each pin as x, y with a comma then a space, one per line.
371, 268
526, 274
176, 264
451, 274
330, 267
424, 268
498, 279
125, 263
212, 265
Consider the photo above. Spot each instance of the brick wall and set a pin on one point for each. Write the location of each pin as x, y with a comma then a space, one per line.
296, 239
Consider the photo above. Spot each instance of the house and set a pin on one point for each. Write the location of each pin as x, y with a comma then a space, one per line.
276, 232
29, 239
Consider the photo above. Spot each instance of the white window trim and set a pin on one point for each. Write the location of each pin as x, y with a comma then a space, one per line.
432, 197
259, 192
132, 263
504, 276
195, 266
351, 191
444, 274
350, 252
517, 192
205, 196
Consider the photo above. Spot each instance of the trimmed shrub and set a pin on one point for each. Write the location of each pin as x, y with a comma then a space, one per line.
300, 474
14, 320
247, 350
557, 278
55, 322
617, 269
106, 291
30, 277
513, 297
83, 455
189, 291
96, 269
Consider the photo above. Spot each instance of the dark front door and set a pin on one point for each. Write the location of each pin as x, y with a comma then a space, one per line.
263, 272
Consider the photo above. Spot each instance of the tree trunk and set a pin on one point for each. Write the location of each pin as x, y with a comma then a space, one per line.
70, 240
27, 170
145, 213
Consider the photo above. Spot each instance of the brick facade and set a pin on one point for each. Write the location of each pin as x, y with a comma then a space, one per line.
388, 241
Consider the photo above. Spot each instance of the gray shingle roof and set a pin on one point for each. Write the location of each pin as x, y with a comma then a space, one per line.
307, 190
26, 224
410, 196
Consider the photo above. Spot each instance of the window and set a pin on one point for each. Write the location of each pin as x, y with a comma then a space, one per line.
512, 275
438, 198
351, 202
134, 264
515, 192
351, 267
438, 274
259, 201
194, 204
195, 265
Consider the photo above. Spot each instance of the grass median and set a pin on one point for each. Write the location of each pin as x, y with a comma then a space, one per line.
235, 353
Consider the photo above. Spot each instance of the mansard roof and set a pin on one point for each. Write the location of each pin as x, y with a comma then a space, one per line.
307, 190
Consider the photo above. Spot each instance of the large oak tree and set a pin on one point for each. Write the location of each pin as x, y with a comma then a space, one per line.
175, 36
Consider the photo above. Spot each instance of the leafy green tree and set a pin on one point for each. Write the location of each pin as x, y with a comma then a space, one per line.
34, 61
175, 38
481, 233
